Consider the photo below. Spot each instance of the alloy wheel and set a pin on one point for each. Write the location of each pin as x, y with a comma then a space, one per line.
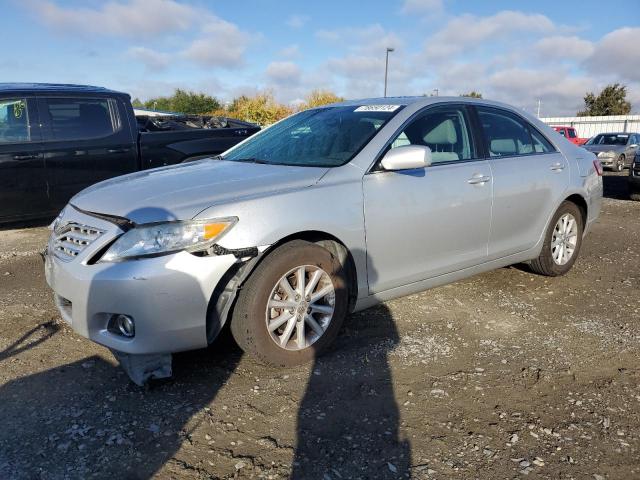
564, 239
300, 307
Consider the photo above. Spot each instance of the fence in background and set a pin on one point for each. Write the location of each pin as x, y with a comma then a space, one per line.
587, 127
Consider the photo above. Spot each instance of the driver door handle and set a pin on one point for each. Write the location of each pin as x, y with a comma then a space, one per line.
478, 179
557, 167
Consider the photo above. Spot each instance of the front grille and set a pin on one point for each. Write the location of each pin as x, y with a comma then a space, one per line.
71, 239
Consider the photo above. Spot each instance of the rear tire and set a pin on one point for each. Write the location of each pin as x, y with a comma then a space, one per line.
276, 282
562, 242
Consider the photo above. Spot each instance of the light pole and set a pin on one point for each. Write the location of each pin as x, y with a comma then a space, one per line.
386, 69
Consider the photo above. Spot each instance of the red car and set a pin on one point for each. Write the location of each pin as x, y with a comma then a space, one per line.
570, 134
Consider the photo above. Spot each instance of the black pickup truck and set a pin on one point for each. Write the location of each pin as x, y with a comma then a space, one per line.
56, 140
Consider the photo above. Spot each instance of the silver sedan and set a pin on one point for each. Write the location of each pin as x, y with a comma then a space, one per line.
329, 211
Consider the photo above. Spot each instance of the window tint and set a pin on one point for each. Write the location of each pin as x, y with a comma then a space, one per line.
572, 133
444, 130
14, 121
78, 118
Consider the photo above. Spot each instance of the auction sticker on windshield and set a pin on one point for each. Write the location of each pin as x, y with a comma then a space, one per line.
377, 108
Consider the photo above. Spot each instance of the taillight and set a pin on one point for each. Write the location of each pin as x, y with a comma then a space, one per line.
598, 166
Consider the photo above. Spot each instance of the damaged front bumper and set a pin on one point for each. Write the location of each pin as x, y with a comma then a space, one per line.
167, 297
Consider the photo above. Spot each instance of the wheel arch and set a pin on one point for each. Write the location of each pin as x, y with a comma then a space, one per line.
224, 295
581, 203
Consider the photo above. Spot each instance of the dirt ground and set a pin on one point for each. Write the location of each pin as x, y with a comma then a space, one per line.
504, 375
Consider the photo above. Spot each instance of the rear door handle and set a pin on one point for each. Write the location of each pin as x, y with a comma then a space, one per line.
557, 167
478, 179
118, 150
25, 157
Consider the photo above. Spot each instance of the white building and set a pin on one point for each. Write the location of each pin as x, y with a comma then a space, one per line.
587, 127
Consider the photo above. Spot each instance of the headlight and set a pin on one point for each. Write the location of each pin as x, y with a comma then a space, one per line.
167, 237
606, 154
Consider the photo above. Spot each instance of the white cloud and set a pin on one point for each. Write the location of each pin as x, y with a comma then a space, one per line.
468, 32
559, 92
410, 7
370, 40
283, 73
132, 18
563, 47
149, 58
292, 51
221, 44
618, 53
297, 21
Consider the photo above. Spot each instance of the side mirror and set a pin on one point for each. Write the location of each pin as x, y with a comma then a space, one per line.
406, 158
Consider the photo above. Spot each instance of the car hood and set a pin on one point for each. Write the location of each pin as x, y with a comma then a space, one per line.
604, 148
180, 192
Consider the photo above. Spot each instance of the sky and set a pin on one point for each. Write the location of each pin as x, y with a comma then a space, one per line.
519, 52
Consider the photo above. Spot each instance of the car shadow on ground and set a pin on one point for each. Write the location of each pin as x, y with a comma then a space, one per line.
86, 418
616, 185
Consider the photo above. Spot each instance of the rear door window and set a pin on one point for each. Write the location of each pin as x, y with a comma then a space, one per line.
14, 121
572, 133
80, 118
506, 135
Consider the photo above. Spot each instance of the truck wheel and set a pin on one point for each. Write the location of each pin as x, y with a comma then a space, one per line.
620, 163
562, 242
292, 306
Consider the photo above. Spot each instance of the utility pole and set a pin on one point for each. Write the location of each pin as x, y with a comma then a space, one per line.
436, 92
538, 108
386, 69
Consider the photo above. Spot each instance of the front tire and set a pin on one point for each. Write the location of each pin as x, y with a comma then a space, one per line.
562, 243
292, 306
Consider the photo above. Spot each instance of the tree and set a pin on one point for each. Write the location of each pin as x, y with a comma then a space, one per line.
137, 103
261, 109
472, 94
318, 98
612, 100
183, 101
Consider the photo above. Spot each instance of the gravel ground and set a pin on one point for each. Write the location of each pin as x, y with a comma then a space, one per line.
504, 375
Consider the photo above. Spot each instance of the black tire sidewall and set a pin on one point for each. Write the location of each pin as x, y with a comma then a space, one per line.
546, 258
248, 322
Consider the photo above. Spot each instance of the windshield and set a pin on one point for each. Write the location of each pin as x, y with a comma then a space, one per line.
609, 139
323, 137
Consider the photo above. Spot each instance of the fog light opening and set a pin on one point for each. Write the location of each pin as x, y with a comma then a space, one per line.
125, 325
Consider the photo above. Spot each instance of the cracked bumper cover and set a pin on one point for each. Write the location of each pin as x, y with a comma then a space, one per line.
167, 297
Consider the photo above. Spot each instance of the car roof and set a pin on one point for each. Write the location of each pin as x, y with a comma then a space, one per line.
54, 88
421, 101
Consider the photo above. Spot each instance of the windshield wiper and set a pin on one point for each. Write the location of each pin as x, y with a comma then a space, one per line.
250, 160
